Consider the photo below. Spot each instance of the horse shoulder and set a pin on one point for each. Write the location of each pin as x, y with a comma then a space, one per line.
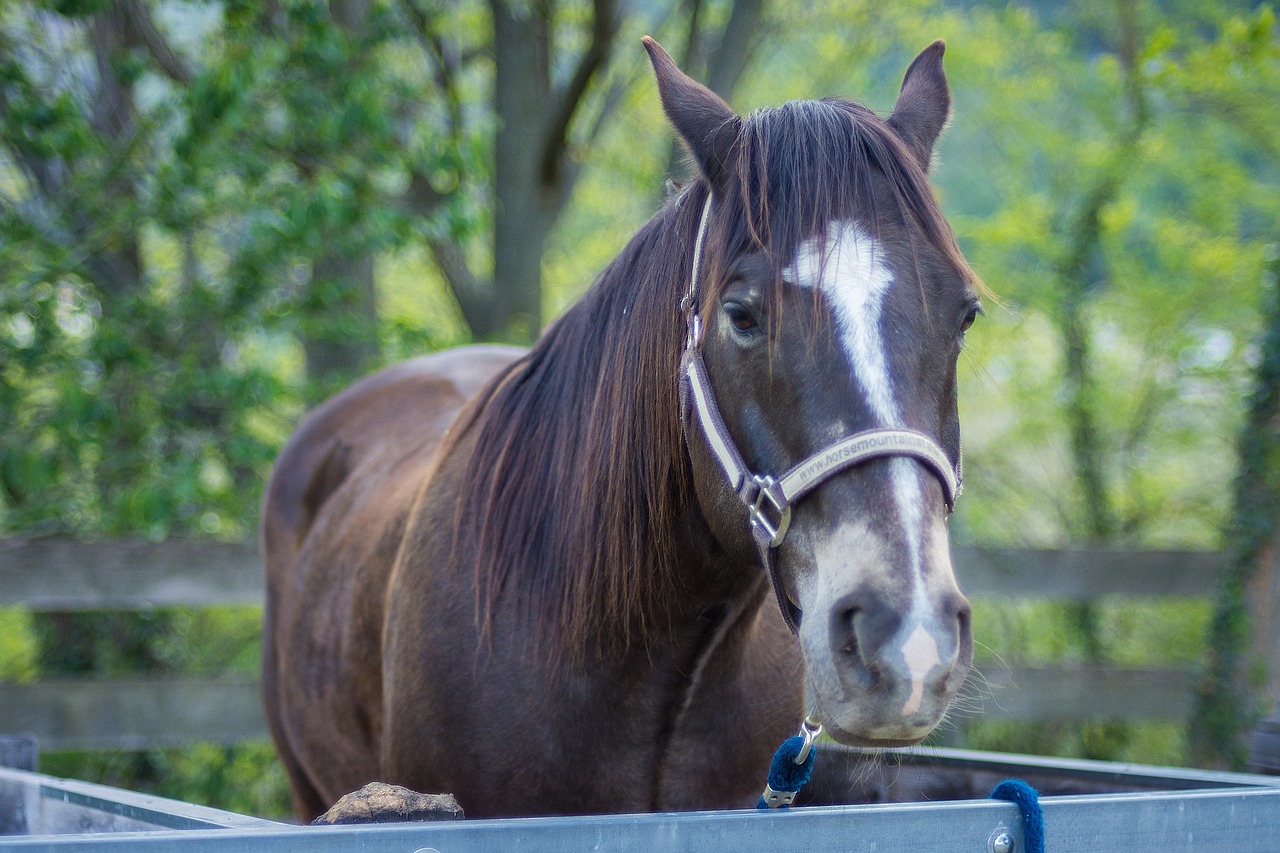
335, 511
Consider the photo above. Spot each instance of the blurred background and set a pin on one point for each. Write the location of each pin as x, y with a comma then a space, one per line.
214, 214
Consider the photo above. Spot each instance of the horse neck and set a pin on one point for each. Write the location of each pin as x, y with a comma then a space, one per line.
580, 482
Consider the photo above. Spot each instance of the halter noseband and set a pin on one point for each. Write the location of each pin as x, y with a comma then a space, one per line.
768, 499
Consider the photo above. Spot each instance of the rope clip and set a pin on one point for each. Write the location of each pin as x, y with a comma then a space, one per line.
809, 730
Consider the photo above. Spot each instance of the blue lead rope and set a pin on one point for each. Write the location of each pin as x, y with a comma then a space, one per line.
786, 776
1027, 800
791, 767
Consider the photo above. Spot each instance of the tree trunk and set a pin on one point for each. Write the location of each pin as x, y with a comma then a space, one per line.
116, 268
538, 123
339, 336
526, 208
1081, 272
115, 265
1241, 675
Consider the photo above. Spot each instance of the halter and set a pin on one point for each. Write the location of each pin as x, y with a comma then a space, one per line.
769, 499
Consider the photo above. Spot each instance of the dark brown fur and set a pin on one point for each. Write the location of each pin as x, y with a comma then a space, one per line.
490, 572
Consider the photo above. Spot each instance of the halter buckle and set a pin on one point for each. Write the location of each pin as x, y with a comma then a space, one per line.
763, 497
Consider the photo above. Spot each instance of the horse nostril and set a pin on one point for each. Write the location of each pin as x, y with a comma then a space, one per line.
847, 622
850, 622
964, 653
964, 616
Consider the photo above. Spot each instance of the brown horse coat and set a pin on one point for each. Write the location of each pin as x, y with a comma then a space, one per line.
515, 578
334, 530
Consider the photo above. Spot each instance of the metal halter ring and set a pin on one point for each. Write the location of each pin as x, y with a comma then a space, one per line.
762, 496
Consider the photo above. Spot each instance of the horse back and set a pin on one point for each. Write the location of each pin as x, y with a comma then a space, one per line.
332, 518
396, 410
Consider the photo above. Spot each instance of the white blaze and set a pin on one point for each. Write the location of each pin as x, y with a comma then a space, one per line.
855, 279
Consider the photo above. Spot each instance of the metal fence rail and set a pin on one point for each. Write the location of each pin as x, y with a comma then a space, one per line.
1244, 821
1188, 810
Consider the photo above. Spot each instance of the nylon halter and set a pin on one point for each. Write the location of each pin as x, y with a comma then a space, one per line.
769, 499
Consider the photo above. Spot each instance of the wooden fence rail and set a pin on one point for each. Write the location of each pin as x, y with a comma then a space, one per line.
62, 575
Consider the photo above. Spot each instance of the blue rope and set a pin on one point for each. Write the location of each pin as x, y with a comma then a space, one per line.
785, 776
1027, 800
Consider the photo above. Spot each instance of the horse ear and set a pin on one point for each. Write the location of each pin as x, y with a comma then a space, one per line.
708, 126
924, 104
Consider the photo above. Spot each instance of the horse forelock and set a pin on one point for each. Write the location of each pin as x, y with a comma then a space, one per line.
571, 498
804, 165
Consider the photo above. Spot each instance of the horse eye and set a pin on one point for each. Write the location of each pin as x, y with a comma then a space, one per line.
742, 319
970, 317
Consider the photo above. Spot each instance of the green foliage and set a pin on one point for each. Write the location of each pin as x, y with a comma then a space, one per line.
1158, 632
155, 280
18, 647
1149, 743
1166, 633
156, 275
120, 404
162, 275
1168, 286
246, 779
196, 641
1235, 667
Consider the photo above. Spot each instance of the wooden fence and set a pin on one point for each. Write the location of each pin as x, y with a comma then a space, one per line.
61, 575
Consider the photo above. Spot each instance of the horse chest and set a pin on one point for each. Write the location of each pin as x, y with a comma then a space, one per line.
690, 725
741, 696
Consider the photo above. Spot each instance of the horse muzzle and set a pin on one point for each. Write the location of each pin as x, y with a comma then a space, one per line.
886, 647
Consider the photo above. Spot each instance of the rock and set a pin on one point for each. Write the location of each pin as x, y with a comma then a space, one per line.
379, 802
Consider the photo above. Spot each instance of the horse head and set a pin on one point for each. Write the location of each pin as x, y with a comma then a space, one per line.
827, 309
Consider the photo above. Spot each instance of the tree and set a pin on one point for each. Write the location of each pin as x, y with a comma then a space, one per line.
289, 143
460, 172
1240, 677
718, 65
176, 204
543, 120
112, 382
1121, 231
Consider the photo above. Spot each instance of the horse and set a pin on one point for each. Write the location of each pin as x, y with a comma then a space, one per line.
612, 572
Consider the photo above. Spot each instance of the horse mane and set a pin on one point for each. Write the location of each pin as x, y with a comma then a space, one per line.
579, 475
571, 499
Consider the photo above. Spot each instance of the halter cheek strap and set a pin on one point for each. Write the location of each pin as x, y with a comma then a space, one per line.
768, 499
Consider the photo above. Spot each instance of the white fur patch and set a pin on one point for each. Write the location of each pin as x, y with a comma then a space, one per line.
921, 653
850, 270
855, 279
